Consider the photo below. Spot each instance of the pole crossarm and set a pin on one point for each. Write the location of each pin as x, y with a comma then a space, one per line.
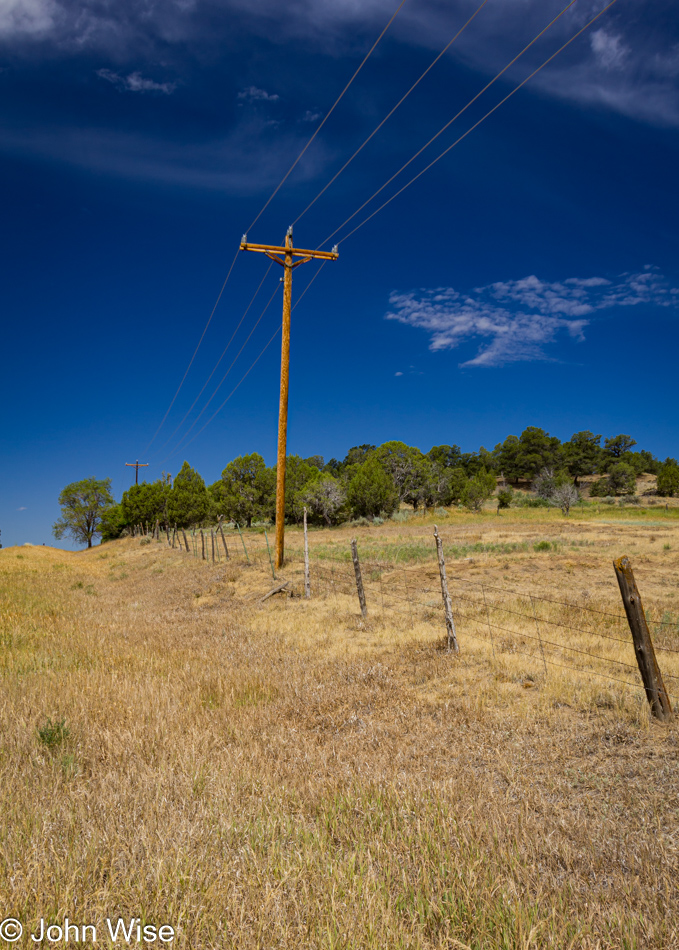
288, 253
136, 466
270, 249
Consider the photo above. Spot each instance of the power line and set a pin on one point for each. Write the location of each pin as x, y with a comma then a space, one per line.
476, 124
254, 362
389, 114
325, 118
224, 351
162, 421
216, 390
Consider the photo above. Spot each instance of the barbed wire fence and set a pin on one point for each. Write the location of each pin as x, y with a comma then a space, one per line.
556, 634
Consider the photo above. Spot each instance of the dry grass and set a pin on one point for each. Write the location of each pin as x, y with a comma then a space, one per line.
286, 774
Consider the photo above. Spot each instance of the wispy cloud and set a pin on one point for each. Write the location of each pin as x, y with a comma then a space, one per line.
520, 318
254, 94
23, 508
135, 82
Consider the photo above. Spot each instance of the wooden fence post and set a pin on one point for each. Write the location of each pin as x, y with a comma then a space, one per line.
226, 550
656, 694
156, 531
447, 606
202, 545
186, 541
212, 538
243, 540
307, 580
268, 549
359, 579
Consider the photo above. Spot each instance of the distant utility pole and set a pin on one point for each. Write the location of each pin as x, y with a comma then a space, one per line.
136, 466
288, 263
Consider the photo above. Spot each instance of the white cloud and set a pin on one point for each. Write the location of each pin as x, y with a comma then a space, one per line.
608, 49
519, 318
398, 374
23, 508
135, 82
27, 17
310, 116
253, 94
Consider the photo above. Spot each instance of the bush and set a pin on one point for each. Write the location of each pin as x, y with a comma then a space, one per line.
504, 497
477, 490
52, 734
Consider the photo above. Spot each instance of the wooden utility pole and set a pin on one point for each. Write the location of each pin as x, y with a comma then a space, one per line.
136, 466
288, 263
651, 676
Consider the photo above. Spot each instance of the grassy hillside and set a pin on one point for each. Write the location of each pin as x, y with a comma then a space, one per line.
287, 774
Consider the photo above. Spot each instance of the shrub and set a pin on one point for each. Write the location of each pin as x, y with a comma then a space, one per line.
504, 497
52, 734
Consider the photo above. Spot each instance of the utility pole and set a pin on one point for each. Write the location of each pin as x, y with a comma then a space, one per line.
136, 466
288, 263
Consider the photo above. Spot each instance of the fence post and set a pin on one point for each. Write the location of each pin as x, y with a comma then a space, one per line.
447, 606
656, 694
359, 579
212, 538
202, 545
243, 540
156, 531
186, 541
273, 573
226, 550
307, 580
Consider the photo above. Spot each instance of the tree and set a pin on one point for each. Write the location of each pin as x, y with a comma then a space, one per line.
477, 490
145, 502
82, 507
325, 498
372, 490
621, 479
504, 498
668, 478
445, 456
582, 454
447, 485
615, 449
564, 496
358, 454
410, 470
246, 490
113, 523
298, 474
188, 500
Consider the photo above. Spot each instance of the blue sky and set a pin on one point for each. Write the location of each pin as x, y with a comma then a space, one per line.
528, 278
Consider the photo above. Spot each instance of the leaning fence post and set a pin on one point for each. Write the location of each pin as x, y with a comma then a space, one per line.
186, 541
243, 540
656, 694
359, 579
447, 606
226, 550
307, 581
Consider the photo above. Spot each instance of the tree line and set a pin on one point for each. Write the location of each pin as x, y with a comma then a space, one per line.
372, 482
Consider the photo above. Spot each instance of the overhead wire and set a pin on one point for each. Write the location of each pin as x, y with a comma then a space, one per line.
390, 113
325, 118
224, 351
186, 373
219, 384
471, 129
261, 212
252, 365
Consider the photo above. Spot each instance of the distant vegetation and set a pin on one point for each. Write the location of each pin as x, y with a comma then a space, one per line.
374, 481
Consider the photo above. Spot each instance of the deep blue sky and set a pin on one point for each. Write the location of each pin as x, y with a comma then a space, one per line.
529, 278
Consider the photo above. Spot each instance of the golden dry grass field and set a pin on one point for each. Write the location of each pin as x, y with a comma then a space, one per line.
287, 774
